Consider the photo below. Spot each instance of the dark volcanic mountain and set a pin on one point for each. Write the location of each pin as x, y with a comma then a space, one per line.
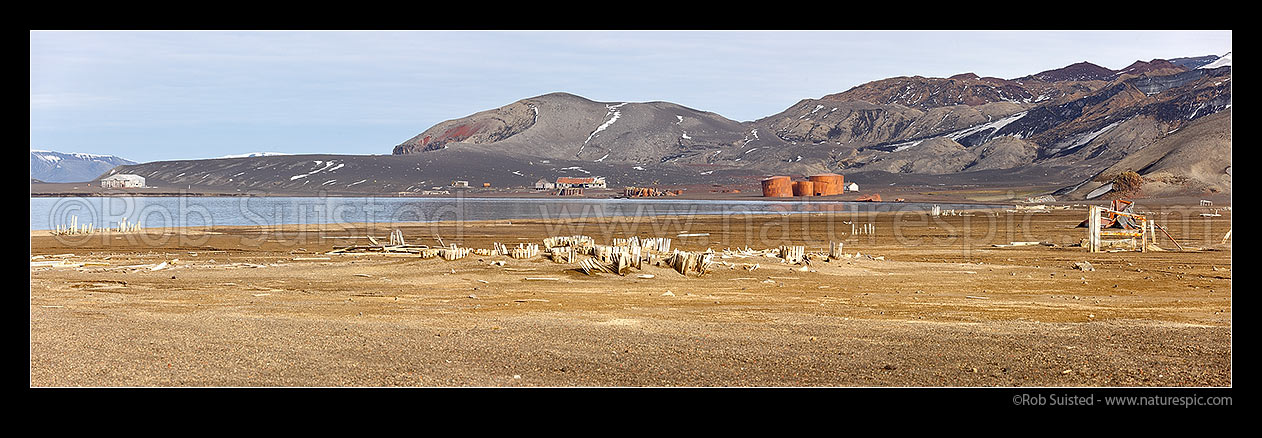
1082, 71
568, 127
1080, 135
1071, 127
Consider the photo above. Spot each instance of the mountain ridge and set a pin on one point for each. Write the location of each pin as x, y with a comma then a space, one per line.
1070, 124
1054, 118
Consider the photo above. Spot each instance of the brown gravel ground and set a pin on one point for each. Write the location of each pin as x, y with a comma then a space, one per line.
943, 308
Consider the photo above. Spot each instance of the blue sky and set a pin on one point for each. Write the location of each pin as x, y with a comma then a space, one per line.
162, 95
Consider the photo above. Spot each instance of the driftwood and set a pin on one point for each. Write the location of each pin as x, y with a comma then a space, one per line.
383, 249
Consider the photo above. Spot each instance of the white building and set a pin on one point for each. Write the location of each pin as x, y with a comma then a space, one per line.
464, 184
543, 184
122, 181
852, 187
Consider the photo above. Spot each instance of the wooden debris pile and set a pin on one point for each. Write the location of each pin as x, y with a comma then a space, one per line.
615, 259
619, 258
577, 241
496, 249
396, 246
684, 262
647, 192
524, 251
749, 252
793, 254
562, 254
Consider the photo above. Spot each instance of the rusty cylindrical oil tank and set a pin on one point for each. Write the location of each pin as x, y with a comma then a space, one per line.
828, 184
777, 186
803, 188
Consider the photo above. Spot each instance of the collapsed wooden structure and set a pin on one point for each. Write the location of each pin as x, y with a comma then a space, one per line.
1121, 221
647, 192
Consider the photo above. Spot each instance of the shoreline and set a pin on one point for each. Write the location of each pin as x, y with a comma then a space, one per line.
911, 207
481, 222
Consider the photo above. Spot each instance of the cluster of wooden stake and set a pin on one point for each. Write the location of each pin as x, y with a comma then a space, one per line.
74, 228
862, 229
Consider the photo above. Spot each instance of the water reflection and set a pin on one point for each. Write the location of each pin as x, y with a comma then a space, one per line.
46, 213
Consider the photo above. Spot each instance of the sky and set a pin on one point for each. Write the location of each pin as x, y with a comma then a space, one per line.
166, 95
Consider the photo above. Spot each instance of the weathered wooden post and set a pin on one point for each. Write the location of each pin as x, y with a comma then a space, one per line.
834, 250
1093, 228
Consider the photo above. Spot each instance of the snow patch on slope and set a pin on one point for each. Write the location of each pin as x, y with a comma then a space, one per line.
1080, 140
1224, 61
955, 136
996, 125
330, 166
254, 154
613, 111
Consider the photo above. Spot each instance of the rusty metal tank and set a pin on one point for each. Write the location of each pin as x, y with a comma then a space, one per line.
803, 188
777, 186
827, 184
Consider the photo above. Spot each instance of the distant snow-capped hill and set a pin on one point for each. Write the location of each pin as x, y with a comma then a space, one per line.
51, 166
254, 154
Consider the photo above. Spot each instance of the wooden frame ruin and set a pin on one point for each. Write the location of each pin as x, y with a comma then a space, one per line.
1146, 233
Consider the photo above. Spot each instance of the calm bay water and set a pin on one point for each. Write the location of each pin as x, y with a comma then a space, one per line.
153, 212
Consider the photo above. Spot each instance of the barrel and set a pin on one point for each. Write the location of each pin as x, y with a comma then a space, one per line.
827, 184
777, 186
803, 188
